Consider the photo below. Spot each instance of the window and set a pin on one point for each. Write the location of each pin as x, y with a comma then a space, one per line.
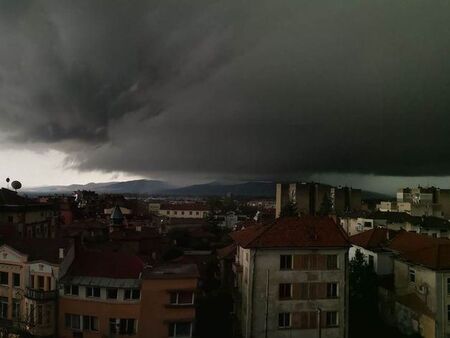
285, 262
174, 212
3, 307
41, 282
332, 262
332, 290
182, 212
111, 293
197, 213
284, 320
180, 329
285, 291
16, 280
448, 312
49, 282
132, 294
190, 212
92, 291
448, 286
182, 298
10, 219
16, 310
71, 290
31, 314
371, 261
122, 326
4, 278
331, 318
73, 322
168, 212
90, 323
412, 275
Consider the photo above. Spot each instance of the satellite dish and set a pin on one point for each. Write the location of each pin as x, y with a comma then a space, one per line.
7, 180
16, 185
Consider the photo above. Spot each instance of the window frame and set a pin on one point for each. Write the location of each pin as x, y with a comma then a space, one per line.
284, 260
172, 328
15, 274
411, 275
176, 300
108, 290
132, 292
92, 292
284, 320
329, 316
2, 274
285, 291
332, 290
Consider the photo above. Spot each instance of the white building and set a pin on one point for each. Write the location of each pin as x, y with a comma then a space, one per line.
292, 277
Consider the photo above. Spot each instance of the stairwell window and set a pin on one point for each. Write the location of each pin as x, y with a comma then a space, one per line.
332, 319
412, 275
284, 320
285, 262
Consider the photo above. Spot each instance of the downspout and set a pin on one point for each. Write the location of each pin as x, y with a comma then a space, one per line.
250, 297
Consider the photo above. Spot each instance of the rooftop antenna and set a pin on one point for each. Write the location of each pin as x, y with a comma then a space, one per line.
7, 182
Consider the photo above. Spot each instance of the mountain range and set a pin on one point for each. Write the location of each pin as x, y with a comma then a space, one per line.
155, 187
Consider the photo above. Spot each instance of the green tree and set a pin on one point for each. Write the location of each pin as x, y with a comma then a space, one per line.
289, 210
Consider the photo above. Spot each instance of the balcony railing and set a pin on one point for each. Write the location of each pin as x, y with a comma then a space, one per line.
40, 295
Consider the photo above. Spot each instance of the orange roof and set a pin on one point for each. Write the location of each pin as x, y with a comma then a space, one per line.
305, 231
430, 252
371, 239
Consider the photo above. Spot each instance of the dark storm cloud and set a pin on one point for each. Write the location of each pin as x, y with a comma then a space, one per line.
236, 88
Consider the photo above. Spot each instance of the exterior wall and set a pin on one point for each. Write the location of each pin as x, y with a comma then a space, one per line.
184, 213
102, 309
253, 292
156, 312
37, 305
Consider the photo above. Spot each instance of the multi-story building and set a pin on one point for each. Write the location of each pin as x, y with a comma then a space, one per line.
100, 296
26, 217
180, 210
309, 196
168, 298
29, 272
292, 278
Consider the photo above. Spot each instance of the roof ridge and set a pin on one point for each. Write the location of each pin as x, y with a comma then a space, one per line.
265, 228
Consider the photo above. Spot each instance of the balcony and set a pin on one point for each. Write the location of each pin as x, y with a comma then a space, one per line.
41, 295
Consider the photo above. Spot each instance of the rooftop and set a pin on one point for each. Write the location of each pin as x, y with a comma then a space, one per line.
172, 270
41, 249
107, 264
373, 239
305, 232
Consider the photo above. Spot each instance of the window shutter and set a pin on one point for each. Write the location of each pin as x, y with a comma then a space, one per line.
313, 290
322, 291
303, 290
313, 259
322, 262
296, 320
313, 320
298, 262
304, 320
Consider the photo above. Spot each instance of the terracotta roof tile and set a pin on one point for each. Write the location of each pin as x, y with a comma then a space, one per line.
375, 238
305, 231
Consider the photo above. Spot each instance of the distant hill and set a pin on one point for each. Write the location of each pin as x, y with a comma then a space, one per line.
154, 187
132, 187
259, 189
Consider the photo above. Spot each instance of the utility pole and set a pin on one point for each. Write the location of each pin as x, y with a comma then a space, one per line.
319, 322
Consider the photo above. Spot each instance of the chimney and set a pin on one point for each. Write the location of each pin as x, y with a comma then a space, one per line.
61, 253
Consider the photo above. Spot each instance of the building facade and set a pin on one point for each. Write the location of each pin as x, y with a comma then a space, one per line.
292, 279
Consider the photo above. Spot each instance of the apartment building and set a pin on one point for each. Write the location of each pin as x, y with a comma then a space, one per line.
292, 278
29, 272
25, 217
100, 296
180, 210
309, 196
168, 298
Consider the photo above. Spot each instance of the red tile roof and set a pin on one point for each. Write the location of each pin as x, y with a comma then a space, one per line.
372, 239
106, 264
305, 231
430, 252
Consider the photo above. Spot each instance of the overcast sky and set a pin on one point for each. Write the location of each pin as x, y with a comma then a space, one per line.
352, 92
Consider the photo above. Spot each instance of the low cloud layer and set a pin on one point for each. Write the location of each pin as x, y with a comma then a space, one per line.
230, 88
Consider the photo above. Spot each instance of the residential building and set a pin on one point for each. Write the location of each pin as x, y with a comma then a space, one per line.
26, 217
181, 210
309, 196
292, 278
168, 298
100, 296
29, 272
